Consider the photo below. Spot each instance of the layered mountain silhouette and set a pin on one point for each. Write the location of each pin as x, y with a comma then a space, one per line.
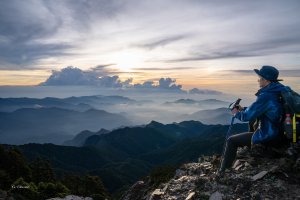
53, 125
211, 116
205, 102
126, 154
55, 120
81, 137
82, 103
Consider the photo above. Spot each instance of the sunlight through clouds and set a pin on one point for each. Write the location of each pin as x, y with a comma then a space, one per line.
202, 36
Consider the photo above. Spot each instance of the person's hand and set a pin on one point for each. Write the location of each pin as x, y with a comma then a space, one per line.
234, 111
240, 108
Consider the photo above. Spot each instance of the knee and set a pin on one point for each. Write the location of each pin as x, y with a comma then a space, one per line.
230, 140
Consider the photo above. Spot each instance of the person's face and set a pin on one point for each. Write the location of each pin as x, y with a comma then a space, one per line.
262, 82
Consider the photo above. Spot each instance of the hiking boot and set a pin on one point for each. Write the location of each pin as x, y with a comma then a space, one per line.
243, 152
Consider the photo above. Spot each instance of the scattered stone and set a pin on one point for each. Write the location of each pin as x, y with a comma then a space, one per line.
259, 175
179, 173
165, 188
200, 181
238, 167
255, 195
236, 163
156, 194
285, 174
274, 169
215, 196
190, 196
247, 164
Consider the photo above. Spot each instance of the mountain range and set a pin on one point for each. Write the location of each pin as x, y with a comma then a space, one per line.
211, 116
122, 156
81, 137
53, 125
55, 120
82, 103
205, 102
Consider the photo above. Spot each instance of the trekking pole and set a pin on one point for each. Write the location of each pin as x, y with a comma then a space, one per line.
231, 107
235, 105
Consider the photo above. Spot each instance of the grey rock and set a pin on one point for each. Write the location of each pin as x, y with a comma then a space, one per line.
156, 194
236, 163
259, 175
215, 196
179, 173
190, 196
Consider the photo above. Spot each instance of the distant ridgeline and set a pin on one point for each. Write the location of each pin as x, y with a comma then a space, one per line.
123, 156
55, 120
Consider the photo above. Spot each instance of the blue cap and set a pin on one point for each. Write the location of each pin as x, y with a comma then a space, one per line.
269, 73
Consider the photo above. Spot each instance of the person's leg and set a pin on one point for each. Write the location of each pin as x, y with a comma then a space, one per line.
232, 143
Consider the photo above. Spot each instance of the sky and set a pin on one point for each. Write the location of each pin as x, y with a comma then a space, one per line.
211, 44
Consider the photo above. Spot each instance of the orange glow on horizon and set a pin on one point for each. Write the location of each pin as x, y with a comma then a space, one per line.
23, 77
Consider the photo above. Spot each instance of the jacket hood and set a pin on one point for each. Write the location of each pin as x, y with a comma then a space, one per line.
274, 87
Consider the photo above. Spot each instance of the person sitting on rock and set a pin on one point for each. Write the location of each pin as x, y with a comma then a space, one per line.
267, 110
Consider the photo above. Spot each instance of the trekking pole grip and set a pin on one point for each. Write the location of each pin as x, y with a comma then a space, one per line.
237, 102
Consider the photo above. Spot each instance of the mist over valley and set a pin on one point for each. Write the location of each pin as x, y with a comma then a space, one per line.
55, 119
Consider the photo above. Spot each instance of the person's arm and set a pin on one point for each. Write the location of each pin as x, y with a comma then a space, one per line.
255, 110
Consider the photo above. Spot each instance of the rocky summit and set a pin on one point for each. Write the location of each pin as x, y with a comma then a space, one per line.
258, 173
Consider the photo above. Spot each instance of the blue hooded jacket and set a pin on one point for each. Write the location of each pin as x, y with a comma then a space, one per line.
268, 110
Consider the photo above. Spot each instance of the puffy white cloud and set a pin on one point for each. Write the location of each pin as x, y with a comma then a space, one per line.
163, 84
98, 76
75, 76
70, 76
168, 83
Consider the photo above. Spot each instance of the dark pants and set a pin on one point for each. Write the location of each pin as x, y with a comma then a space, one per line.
232, 143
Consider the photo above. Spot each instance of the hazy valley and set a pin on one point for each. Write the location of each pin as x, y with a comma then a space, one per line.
117, 138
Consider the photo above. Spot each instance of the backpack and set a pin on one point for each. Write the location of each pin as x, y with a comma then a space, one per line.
291, 122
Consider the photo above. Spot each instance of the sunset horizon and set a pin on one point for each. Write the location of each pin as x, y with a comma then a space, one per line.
207, 45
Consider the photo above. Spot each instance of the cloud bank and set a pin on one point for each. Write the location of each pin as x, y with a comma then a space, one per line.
73, 76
